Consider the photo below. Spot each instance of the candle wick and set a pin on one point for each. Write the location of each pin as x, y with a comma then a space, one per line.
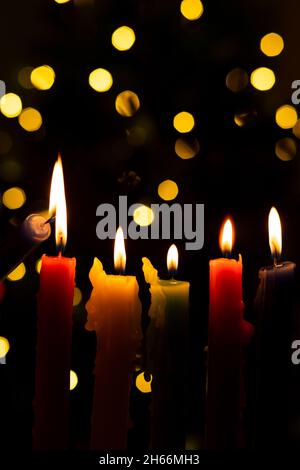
50, 220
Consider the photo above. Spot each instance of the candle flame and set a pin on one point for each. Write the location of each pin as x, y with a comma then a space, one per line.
227, 237
275, 233
172, 260
120, 253
57, 204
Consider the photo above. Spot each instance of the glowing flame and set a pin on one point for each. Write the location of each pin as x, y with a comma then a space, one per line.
275, 233
172, 259
57, 204
120, 253
226, 237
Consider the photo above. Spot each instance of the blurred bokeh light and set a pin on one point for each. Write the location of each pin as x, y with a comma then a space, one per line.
143, 216
272, 44
100, 80
262, 78
4, 347
123, 38
42, 77
191, 9
14, 198
184, 122
127, 103
286, 116
73, 380
168, 190
142, 384
286, 149
237, 80
187, 148
30, 119
10, 105
77, 297
18, 273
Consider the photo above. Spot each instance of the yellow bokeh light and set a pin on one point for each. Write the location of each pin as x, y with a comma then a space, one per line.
4, 347
127, 103
286, 149
272, 44
24, 77
237, 79
143, 216
191, 9
30, 119
11, 105
100, 80
168, 190
14, 198
142, 384
43, 77
262, 79
296, 129
73, 380
18, 273
184, 122
123, 38
77, 297
62, 1
286, 116
187, 148
38, 265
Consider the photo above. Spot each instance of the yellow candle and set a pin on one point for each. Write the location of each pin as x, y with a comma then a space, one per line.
166, 344
114, 312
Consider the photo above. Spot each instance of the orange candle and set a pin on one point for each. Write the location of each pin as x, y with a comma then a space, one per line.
114, 312
227, 333
54, 331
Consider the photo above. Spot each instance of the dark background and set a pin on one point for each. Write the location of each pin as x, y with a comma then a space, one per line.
174, 65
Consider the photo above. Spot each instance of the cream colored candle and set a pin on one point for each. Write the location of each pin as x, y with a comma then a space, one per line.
166, 344
114, 312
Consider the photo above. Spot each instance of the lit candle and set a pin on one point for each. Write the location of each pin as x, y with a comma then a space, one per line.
114, 312
54, 331
228, 331
167, 358
274, 303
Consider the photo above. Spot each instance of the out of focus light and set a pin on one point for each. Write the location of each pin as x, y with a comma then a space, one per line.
245, 118
10, 170
187, 148
286, 149
123, 38
263, 78
168, 190
286, 116
142, 384
14, 198
127, 103
143, 216
4, 347
18, 273
24, 77
38, 265
62, 1
237, 79
73, 380
5, 142
77, 297
184, 122
296, 129
10, 105
191, 9
272, 44
100, 80
30, 119
42, 77
136, 136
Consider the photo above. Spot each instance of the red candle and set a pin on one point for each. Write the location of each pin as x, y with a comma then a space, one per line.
227, 332
54, 331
